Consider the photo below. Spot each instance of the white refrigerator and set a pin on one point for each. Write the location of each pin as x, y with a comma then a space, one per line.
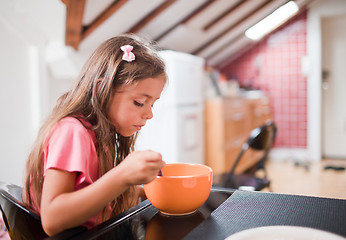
177, 128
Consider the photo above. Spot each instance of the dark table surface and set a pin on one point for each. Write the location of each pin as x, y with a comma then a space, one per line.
226, 212
145, 222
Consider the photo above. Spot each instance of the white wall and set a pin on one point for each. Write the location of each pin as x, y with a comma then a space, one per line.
17, 121
28, 88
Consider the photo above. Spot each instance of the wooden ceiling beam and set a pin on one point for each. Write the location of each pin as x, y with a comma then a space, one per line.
102, 17
74, 18
229, 29
186, 19
197, 11
147, 19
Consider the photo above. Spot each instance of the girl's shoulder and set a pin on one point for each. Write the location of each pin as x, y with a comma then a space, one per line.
73, 124
69, 120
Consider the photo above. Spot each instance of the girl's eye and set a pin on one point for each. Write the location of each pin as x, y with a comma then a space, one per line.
138, 104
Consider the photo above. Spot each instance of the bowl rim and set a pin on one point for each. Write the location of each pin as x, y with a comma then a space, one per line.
184, 163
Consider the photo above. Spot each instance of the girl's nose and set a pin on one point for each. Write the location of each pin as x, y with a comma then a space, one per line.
148, 114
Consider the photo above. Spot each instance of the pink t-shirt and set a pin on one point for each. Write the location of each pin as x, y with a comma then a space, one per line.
72, 147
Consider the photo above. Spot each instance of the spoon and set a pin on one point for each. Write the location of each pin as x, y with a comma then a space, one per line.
160, 173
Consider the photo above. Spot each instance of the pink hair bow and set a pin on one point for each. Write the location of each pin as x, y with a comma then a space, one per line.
128, 55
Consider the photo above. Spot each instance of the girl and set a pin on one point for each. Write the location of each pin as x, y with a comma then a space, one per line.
83, 168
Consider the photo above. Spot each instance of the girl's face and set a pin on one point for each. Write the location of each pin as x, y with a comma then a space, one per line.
131, 106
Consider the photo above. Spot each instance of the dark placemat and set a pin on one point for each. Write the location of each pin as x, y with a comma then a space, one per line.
245, 210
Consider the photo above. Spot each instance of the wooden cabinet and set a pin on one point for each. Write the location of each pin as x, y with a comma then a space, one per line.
228, 123
259, 110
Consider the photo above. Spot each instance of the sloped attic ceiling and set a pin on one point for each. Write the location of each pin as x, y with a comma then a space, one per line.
212, 29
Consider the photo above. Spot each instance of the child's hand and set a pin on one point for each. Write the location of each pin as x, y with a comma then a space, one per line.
142, 166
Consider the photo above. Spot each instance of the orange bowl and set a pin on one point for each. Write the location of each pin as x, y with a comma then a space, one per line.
182, 189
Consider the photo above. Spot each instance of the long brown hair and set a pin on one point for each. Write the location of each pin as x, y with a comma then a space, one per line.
103, 73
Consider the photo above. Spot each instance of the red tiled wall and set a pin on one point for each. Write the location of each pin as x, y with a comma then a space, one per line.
274, 66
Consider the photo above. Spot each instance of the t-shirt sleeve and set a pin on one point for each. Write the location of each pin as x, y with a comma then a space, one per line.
70, 148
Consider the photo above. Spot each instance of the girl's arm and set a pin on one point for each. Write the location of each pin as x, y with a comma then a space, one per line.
63, 208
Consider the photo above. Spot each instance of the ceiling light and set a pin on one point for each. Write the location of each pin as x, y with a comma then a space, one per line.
272, 21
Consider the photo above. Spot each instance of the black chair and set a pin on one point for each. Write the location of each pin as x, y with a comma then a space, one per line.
21, 223
260, 140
